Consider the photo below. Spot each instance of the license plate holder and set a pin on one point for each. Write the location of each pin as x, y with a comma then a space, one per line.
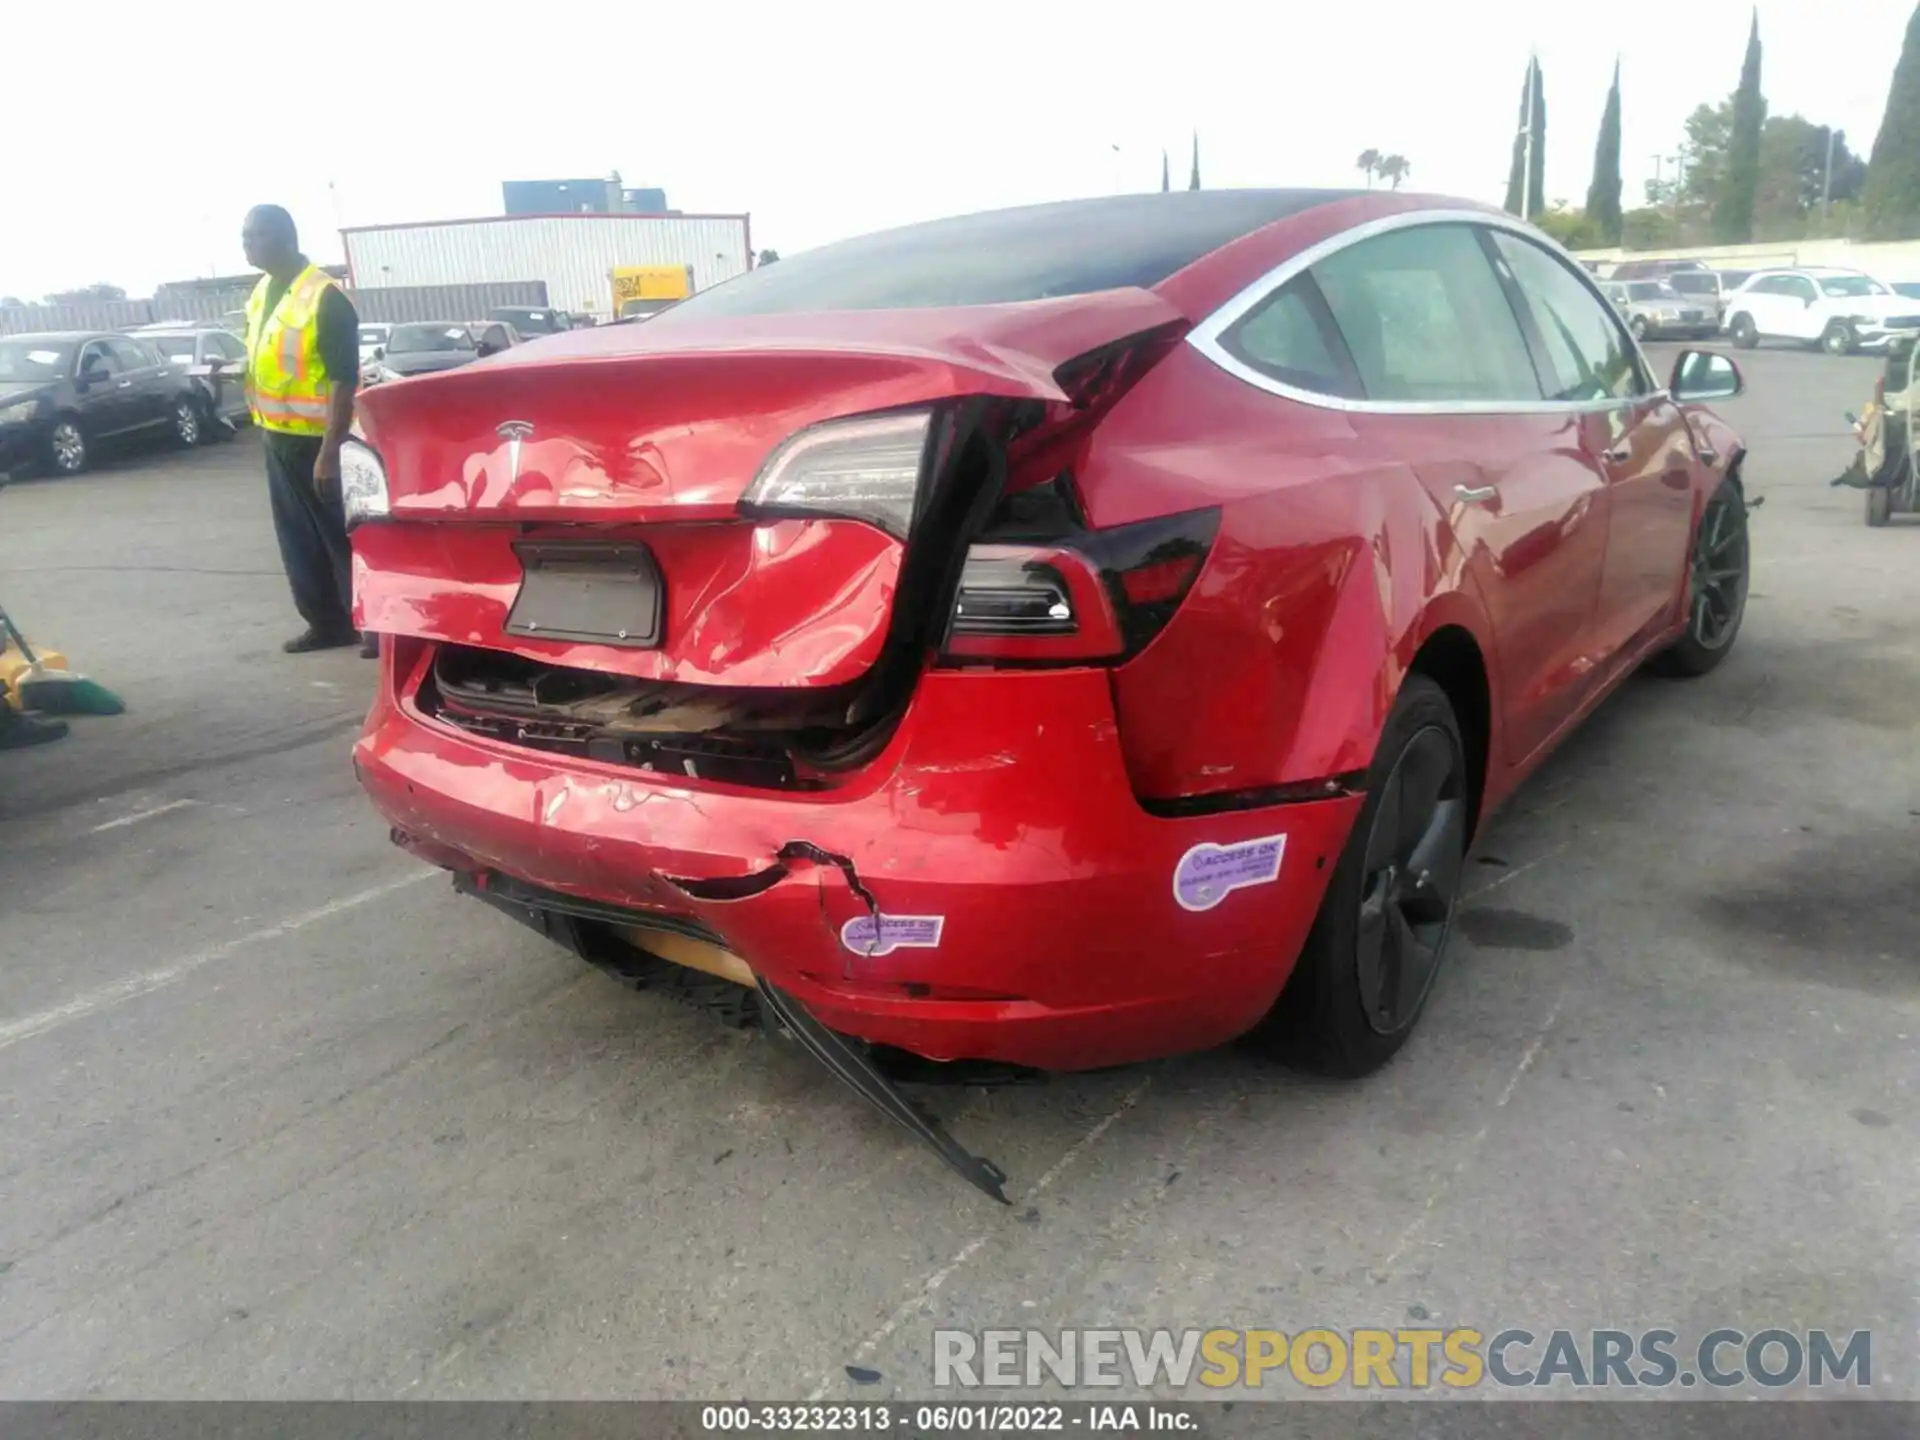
601, 594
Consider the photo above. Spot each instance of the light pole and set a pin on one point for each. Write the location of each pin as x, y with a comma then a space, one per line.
1826, 178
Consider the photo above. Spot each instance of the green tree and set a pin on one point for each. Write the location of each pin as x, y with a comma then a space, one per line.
1733, 206
1369, 164
87, 294
1166, 176
767, 257
1193, 180
1891, 198
1525, 183
1649, 229
1603, 195
1793, 175
1394, 169
1575, 229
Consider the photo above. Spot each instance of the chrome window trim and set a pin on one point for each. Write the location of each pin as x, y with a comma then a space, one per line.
1205, 337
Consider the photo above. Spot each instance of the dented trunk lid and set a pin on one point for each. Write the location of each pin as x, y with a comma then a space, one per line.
647, 437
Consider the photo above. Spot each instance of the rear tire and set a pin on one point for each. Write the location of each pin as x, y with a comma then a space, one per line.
1350, 1005
1718, 573
1838, 339
1741, 328
1879, 506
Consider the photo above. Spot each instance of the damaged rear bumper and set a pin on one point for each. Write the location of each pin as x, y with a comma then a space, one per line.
988, 888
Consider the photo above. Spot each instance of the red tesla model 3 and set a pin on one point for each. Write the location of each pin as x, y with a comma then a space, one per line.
1059, 636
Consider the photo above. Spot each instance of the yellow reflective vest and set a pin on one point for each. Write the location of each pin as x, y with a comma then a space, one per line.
289, 379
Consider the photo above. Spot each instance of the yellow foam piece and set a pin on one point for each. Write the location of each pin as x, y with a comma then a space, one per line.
12, 663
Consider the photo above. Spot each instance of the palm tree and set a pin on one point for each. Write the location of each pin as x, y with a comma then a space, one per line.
1395, 168
1369, 161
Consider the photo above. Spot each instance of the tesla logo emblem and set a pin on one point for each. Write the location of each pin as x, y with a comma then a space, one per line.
513, 432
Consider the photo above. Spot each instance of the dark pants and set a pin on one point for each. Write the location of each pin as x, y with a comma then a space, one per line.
313, 534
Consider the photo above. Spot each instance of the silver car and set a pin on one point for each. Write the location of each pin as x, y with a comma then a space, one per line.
1654, 310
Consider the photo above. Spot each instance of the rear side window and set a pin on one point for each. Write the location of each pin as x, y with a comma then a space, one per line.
1425, 318
1290, 337
131, 355
1586, 352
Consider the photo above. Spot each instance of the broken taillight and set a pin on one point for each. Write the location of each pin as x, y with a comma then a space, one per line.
1092, 597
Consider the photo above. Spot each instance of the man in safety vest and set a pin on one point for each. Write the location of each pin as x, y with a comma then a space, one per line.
303, 366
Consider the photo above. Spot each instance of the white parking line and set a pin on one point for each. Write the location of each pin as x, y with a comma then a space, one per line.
139, 815
922, 1297
81, 1006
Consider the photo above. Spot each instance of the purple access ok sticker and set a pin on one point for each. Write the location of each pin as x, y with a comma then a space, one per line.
1207, 874
865, 936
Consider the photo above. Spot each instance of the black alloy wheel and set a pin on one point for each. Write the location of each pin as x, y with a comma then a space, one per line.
1719, 586
1367, 969
1745, 336
1717, 579
1411, 879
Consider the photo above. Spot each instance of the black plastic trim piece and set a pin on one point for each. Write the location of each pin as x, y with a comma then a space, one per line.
858, 1073
1186, 807
517, 897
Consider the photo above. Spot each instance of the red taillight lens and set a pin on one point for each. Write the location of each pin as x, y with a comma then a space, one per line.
1095, 597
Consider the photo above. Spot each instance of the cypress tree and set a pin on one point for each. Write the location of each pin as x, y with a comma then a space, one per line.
1534, 125
1892, 195
1603, 196
1733, 209
1537, 183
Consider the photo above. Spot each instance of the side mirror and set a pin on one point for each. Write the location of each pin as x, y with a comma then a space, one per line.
94, 374
1705, 375
379, 352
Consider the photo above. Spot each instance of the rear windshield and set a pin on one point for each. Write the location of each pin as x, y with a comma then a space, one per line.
1649, 290
1034, 253
175, 347
1693, 282
415, 339
526, 320
1846, 286
34, 359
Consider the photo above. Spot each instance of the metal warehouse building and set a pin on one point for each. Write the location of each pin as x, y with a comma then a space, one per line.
573, 254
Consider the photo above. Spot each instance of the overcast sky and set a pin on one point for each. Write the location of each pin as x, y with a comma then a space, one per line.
139, 133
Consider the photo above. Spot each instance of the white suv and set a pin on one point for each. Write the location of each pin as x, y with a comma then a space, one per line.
1839, 310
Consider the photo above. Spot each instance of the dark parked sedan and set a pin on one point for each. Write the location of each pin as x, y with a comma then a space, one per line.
421, 349
62, 395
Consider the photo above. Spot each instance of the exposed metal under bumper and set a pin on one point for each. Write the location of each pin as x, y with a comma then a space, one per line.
859, 1073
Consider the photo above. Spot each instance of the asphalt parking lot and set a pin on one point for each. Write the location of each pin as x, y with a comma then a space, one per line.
283, 1117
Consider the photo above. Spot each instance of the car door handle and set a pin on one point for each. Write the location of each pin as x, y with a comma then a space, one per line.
1476, 494
126, 384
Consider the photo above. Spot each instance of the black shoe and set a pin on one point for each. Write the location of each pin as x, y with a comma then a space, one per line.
23, 730
312, 639
369, 646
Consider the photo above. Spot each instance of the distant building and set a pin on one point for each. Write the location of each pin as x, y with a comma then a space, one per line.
562, 197
581, 197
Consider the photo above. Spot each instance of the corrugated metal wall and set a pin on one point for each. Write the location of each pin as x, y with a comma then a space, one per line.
445, 302
571, 253
404, 302
99, 315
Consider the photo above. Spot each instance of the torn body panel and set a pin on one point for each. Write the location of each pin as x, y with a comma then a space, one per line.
998, 820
